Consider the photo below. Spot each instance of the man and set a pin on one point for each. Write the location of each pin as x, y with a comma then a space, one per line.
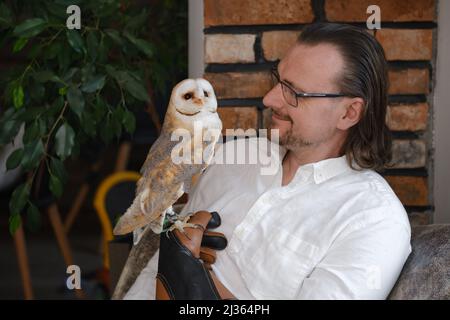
326, 225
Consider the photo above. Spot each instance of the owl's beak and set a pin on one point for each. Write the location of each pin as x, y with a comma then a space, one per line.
198, 101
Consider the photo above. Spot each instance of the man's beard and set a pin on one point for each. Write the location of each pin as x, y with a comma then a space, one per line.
288, 140
292, 142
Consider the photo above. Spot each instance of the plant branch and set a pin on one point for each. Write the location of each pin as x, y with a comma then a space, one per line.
44, 157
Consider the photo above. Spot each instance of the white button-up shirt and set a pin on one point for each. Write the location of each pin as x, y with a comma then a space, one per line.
331, 233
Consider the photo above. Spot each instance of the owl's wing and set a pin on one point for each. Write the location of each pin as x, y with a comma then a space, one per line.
159, 150
160, 189
165, 186
161, 185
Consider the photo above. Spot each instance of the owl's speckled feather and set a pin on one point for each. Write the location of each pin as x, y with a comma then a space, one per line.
163, 182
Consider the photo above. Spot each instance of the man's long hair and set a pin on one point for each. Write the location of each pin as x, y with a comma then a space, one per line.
365, 75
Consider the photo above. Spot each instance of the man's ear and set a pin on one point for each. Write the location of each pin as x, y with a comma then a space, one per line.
352, 113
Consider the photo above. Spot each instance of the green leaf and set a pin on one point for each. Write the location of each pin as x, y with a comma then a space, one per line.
75, 41
6, 18
64, 137
70, 74
55, 186
92, 45
31, 132
100, 109
8, 130
137, 21
30, 28
144, 46
14, 159
45, 76
42, 126
115, 36
19, 44
19, 199
57, 169
8, 115
129, 121
37, 91
102, 51
10, 125
56, 106
52, 51
113, 72
35, 51
32, 154
30, 114
64, 56
18, 96
62, 91
94, 84
56, 9
76, 100
87, 72
129, 82
14, 223
88, 124
33, 217
136, 89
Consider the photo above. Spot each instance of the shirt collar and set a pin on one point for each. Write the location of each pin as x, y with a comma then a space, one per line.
329, 168
322, 170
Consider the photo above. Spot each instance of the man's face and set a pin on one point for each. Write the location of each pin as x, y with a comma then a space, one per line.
308, 69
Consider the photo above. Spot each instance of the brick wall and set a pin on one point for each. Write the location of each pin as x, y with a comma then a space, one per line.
243, 39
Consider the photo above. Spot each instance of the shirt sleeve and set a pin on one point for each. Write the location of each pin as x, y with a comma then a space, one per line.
363, 264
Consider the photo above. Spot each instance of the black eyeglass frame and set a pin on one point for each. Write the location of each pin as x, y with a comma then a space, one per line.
274, 72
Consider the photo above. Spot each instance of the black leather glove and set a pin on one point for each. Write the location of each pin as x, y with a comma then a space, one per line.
184, 270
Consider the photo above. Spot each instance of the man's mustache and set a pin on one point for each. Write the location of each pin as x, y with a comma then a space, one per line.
283, 117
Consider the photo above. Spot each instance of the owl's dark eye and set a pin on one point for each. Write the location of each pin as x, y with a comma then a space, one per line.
205, 93
187, 96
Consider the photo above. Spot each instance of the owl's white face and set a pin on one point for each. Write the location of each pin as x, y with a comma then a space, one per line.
193, 98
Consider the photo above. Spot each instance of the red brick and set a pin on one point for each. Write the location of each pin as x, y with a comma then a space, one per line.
276, 43
409, 81
238, 117
406, 44
253, 12
407, 117
229, 48
412, 191
240, 84
400, 10
408, 154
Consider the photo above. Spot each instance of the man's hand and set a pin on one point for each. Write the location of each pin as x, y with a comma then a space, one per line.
184, 266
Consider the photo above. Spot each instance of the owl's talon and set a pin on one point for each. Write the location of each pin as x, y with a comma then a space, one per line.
181, 224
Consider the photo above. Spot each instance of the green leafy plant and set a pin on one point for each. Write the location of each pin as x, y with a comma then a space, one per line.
73, 86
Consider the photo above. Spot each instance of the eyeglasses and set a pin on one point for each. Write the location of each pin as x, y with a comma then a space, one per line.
291, 97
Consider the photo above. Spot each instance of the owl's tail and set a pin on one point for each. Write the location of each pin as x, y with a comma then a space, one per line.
132, 219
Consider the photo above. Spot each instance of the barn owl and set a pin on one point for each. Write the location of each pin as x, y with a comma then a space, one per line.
192, 105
